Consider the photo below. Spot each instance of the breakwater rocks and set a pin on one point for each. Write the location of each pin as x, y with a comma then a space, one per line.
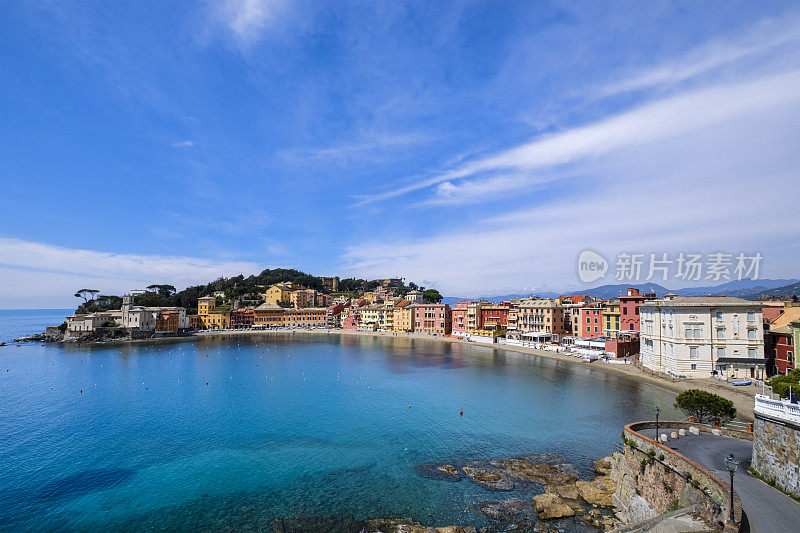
565, 496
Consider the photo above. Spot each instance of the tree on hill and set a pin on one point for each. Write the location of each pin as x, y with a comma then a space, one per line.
86, 294
165, 291
705, 406
103, 302
431, 296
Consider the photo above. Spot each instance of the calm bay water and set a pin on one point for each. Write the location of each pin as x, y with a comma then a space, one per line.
230, 433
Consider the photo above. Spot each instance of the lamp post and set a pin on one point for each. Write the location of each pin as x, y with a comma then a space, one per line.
731, 464
658, 412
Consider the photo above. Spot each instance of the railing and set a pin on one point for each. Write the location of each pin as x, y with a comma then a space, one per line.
779, 409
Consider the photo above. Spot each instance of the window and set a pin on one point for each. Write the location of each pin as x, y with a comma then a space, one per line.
697, 333
720, 333
693, 352
751, 353
719, 316
751, 316
688, 332
720, 352
751, 334
694, 366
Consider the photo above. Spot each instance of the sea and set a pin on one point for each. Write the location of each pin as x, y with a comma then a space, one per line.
230, 433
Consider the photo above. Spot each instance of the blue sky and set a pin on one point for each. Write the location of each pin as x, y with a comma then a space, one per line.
476, 147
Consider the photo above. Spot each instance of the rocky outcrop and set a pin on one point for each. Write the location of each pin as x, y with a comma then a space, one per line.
599, 491
603, 466
489, 479
549, 506
506, 510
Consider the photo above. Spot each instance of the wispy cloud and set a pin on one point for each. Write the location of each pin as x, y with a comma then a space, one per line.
371, 148
247, 19
183, 144
111, 271
664, 119
763, 39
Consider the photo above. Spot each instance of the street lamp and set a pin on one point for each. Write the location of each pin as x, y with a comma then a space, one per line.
731, 464
658, 412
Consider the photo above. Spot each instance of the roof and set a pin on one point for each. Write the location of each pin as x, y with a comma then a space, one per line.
269, 306
538, 303
787, 317
702, 301
781, 330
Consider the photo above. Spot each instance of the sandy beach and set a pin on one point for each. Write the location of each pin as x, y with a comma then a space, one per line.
742, 397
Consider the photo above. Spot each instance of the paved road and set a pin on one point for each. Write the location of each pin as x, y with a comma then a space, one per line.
768, 510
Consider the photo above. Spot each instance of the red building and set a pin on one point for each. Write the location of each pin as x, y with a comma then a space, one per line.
459, 319
778, 348
333, 315
629, 310
242, 318
494, 316
590, 321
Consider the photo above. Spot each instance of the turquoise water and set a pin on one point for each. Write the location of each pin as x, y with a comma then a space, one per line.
227, 434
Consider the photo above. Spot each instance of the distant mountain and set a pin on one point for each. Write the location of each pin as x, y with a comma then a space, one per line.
452, 300
792, 289
736, 287
615, 291
747, 288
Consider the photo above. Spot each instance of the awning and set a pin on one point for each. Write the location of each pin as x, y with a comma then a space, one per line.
746, 361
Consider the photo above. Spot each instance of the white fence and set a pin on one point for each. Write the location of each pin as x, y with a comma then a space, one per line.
779, 409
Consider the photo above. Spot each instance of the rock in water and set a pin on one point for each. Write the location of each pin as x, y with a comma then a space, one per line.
599, 491
506, 509
488, 479
549, 506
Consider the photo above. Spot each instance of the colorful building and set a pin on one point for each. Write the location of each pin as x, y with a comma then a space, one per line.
590, 321
268, 315
403, 316
306, 317
539, 315
209, 316
611, 318
494, 317
432, 318
458, 316
280, 293
629, 309
242, 318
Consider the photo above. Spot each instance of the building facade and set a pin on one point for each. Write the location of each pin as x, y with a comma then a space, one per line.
629, 309
590, 321
700, 336
433, 319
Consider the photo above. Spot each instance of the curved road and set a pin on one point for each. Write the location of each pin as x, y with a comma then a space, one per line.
768, 510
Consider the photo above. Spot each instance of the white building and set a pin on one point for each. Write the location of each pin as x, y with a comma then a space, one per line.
414, 296
695, 336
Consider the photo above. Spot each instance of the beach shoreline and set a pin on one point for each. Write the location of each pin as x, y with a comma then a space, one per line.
742, 397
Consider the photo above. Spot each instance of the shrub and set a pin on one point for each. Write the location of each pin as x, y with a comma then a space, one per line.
705, 406
781, 384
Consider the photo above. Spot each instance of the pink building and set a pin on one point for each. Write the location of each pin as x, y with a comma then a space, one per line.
432, 318
629, 310
590, 321
459, 319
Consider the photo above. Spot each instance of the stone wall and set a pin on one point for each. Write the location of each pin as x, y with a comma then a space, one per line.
776, 453
653, 479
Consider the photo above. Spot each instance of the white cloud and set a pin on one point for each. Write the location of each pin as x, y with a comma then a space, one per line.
54, 272
762, 40
704, 171
248, 18
183, 144
668, 118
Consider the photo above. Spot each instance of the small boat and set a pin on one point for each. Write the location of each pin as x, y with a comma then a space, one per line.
743, 383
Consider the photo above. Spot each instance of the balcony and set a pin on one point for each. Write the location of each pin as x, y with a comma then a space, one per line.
777, 409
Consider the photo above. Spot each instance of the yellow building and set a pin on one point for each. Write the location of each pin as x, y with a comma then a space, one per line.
403, 316
209, 317
611, 318
280, 292
268, 315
